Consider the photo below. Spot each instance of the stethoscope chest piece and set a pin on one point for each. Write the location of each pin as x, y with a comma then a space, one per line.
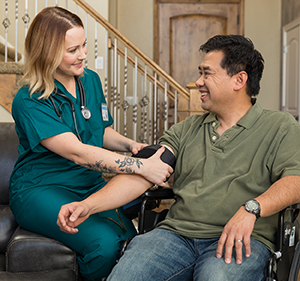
86, 113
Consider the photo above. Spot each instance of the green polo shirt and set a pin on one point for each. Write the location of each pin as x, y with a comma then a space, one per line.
215, 175
35, 120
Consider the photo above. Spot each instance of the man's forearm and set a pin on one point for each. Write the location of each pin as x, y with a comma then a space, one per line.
280, 195
119, 191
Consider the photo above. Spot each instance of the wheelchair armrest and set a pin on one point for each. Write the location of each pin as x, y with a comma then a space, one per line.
159, 194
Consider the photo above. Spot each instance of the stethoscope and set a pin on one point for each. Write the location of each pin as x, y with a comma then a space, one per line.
86, 113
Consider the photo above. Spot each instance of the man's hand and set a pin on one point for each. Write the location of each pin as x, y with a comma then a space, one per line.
71, 215
236, 233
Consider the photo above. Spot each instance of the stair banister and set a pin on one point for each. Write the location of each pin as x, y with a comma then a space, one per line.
172, 82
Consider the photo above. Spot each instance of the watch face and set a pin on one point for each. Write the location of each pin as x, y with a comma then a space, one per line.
252, 205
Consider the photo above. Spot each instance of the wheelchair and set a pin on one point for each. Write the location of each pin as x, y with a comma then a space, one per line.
283, 264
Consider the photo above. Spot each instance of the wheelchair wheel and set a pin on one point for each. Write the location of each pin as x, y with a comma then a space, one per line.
295, 266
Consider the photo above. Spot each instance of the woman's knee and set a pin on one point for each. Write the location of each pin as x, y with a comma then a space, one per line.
98, 259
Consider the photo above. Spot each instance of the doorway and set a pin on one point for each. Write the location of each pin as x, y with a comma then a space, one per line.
180, 27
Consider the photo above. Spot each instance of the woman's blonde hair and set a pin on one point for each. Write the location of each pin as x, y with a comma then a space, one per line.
44, 48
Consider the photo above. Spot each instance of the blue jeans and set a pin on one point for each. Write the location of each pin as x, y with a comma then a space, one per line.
163, 255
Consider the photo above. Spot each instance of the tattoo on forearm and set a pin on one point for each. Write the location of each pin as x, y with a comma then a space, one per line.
98, 166
124, 166
127, 163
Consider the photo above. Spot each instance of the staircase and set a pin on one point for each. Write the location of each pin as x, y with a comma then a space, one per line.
10, 74
138, 92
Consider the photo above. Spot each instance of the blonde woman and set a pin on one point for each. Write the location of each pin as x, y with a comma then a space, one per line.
66, 142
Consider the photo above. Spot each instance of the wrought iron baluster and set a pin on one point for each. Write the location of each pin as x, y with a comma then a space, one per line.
125, 104
6, 24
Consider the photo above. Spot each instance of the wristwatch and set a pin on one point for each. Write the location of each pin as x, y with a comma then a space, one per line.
252, 206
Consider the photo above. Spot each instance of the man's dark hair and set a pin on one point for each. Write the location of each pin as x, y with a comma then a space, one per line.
239, 55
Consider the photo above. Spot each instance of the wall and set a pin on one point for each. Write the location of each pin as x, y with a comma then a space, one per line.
263, 27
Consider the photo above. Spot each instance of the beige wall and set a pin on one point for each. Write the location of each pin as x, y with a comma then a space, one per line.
263, 27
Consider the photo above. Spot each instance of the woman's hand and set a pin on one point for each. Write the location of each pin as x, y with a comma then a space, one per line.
135, 147
71, 215
155, 170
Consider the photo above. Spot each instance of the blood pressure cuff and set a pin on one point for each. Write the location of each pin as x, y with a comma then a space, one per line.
132, 208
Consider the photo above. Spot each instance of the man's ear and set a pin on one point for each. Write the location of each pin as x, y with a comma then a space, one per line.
240, 80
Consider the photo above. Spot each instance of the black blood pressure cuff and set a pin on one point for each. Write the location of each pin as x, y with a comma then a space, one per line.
167, 156
131, 209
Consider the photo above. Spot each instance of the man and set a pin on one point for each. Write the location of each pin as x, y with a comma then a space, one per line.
237, 166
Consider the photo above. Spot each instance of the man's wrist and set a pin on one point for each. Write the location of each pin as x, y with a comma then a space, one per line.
252, 206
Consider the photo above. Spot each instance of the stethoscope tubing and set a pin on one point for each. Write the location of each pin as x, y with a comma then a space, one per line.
84, 110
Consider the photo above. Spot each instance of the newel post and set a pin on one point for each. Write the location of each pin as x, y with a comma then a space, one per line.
192, 106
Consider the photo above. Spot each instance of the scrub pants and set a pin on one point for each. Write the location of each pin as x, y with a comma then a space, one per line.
98, 240
163, 255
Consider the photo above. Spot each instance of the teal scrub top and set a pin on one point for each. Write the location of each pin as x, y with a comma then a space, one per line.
35, 120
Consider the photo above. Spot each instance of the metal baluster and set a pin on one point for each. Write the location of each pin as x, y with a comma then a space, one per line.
135, 99
86, 29
141, 103
6, 24
16, 31
96, 45
165, 107
115, 81
146, 102
106, 66
118, 93
125, 104
155, 110
150, 114
112, 83
26, 17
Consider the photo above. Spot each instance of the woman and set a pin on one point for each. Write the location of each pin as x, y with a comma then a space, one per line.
62, 122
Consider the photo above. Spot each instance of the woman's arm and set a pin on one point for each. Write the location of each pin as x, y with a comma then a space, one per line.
119, 191
114, 141
68, 146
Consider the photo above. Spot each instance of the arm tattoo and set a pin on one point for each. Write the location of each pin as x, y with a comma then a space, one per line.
98, 166
124, 166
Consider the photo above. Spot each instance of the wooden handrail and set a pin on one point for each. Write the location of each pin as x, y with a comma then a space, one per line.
171, 81
141, 69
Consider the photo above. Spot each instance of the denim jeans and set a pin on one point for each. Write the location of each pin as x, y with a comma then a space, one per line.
163, 255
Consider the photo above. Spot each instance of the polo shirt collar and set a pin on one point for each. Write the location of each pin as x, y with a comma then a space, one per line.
251, 116
246, 121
